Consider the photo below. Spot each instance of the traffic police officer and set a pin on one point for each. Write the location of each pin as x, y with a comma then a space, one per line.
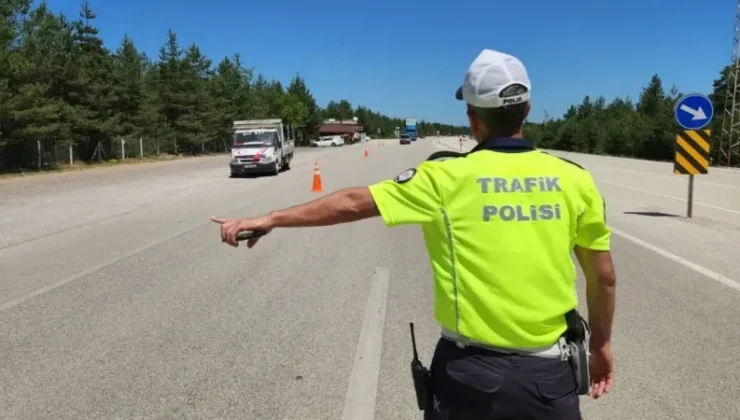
500, 224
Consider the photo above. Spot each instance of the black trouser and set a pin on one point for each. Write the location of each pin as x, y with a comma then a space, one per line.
473, 383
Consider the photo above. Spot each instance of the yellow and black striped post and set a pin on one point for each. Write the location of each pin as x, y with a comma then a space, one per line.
692, 158
692, 152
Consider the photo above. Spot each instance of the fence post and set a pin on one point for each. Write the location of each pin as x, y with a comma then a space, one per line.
71, 159
141, 148
123, 149
38, 153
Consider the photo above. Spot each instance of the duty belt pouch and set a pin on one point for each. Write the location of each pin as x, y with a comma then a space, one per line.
575, 339
579, 365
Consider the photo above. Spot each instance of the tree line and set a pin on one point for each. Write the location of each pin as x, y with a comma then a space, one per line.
644, 130
61, 88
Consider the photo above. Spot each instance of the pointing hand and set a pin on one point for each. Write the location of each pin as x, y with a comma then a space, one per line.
230, 228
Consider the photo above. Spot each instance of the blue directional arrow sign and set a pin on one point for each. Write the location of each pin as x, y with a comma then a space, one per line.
693, 111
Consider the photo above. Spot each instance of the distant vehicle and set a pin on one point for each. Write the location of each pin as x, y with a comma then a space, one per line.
354, 138
261, 146
410, 128
329, 141
405, 138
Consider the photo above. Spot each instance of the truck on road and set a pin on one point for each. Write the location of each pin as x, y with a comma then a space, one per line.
410, 129
261, 146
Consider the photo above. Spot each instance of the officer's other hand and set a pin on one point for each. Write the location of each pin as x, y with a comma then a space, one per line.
601, 367
230, 228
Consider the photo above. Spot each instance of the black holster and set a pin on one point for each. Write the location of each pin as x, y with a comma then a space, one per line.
575, 340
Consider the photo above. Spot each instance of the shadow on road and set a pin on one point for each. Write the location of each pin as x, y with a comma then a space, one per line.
251, 175
651, 214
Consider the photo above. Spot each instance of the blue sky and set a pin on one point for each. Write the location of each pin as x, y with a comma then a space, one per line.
406, 58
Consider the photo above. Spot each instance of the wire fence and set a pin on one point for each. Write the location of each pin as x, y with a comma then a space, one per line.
49, 153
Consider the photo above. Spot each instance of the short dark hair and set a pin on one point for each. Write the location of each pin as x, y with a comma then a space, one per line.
507, 120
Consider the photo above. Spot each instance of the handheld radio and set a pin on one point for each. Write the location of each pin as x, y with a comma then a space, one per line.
420, 375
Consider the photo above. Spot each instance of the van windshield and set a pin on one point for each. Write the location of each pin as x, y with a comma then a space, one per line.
255, 140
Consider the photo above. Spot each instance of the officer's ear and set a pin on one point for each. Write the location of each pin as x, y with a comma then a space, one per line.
474, 120
529, 108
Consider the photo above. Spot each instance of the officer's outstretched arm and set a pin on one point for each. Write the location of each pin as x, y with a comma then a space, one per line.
411, 197
343, 206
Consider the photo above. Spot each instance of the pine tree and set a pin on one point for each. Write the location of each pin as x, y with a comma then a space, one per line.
92, 83
128, 98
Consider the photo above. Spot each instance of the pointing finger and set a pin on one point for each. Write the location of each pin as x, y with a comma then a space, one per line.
218, 220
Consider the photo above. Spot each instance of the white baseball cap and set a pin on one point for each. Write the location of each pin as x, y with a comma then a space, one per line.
488, 78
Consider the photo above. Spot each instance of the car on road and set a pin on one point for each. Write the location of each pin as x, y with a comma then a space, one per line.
405, 139
329, 141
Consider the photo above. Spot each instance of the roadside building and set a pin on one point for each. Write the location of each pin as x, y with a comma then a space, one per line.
350, 130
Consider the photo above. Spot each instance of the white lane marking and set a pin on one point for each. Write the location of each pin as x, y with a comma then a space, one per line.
447, 146
717, 170
700, 180
17, 301
668, 196
686, 263
359, 402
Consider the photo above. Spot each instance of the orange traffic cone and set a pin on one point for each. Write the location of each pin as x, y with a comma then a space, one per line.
366, 152
316, 179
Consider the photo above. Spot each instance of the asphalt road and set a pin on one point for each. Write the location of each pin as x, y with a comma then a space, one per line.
118, 300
